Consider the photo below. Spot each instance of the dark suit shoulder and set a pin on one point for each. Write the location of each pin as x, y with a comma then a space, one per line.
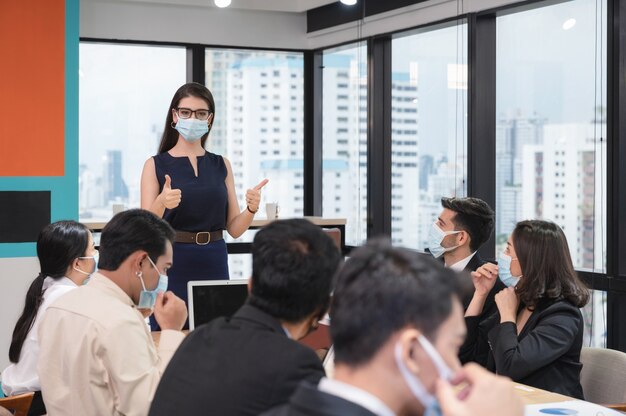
552, 309
308, 400
248, 357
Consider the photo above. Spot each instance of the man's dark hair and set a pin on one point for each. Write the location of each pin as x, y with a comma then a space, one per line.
129, 231
293, 264
381, 290
474, 216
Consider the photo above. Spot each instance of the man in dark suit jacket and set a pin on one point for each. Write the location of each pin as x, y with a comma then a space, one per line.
397, 324
250, 362
462, 227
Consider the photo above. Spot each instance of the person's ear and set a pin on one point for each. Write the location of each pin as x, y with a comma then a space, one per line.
410, 349
463, 237
138, 259
249, 285
75, 263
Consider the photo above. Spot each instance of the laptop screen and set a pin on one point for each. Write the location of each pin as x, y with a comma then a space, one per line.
210, 299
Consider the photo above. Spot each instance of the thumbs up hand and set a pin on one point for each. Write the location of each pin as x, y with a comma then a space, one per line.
253, 196
169, 198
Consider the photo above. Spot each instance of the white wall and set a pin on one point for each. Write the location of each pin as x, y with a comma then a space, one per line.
16, 275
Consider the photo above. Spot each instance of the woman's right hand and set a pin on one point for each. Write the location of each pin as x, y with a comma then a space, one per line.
169, 198
484, 278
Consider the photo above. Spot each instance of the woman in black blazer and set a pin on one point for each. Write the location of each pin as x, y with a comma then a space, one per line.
536, 335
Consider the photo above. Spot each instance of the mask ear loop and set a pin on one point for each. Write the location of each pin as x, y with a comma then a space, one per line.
140, 276
442, 368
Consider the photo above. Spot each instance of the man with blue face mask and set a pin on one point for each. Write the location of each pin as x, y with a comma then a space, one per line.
462, 227
96, 355
397, 325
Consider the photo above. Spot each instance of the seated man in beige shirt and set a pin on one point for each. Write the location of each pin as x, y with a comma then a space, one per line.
97, 356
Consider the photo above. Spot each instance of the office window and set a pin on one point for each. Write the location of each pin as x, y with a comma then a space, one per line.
429, 133
551, 130
236, 79
345, 138
124, 94
551, 124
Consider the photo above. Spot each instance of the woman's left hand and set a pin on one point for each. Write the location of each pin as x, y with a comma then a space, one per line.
253, 196
507, 302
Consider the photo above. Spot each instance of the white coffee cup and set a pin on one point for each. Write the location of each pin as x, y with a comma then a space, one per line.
272, 209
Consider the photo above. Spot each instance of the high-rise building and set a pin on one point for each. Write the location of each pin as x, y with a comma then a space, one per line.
115, 188
559, 184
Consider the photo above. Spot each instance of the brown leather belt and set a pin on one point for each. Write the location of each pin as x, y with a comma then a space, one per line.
201, 238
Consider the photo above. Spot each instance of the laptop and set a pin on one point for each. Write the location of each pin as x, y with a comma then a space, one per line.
210, 299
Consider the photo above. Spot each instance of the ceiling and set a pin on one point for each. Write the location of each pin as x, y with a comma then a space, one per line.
293, 6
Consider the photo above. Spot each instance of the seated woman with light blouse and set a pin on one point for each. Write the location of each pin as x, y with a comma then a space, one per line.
536, 335
67, 257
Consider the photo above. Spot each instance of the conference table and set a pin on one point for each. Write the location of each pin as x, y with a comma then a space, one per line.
532, 395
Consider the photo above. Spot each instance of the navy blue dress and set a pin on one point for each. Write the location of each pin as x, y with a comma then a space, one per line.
203, 207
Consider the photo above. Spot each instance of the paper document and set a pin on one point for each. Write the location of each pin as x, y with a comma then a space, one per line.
571, 407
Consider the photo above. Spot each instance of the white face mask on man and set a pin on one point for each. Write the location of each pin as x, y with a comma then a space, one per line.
428, 401
435, 238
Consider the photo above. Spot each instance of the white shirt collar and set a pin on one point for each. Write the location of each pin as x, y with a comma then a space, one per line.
64, 281
287, 332
460, 265
355, 395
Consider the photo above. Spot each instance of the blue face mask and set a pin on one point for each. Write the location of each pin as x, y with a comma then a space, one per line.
192, 129
504, 271
431, 406
147, 298
435, 237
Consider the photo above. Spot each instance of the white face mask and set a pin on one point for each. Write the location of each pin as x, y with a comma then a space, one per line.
95, 267
504, 270
435, 237
431, 407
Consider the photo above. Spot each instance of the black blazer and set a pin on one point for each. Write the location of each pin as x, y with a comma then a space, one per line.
309, 401
242, 365
490, 305
546, 354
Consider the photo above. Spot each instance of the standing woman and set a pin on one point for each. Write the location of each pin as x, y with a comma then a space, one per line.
194, 191
536, 335
67, 257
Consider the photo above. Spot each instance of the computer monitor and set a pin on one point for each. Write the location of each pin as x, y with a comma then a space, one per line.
210, 299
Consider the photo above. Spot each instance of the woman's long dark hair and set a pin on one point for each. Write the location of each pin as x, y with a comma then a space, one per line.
548, 272
192, 89
58, 245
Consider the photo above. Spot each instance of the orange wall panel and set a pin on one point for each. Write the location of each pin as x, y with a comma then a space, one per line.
32, 87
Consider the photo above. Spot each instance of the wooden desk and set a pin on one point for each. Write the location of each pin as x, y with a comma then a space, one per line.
244, 247
316, 340
532, 395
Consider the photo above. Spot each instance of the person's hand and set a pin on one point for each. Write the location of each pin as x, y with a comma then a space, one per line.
169, 198
484, 394
507, 302
170, 311
253, 196
484, 278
